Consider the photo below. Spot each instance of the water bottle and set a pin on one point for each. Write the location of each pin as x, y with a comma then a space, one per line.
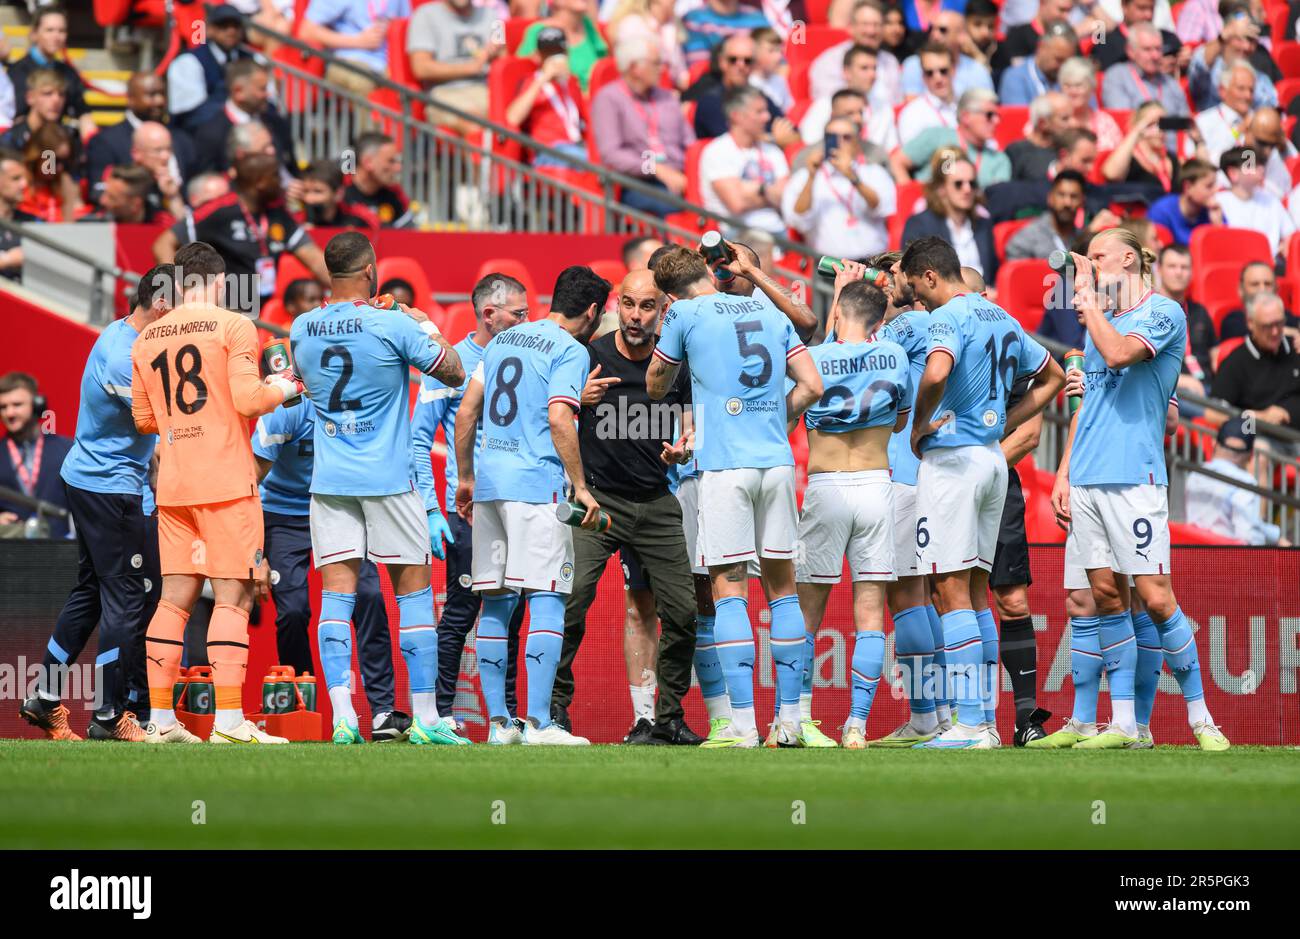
200, 695
1074, 359
716, 253
276, 359
830, 268
307, 691
570, 513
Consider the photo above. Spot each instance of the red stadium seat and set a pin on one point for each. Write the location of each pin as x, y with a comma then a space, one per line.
272, 311
505, 75
797, 79
1221, 352
1287, 89
287, 270
1218, 243
460, 321
816, 40
409, 270
691, 164
1216, 281
1021, 286
908, 194
1040, 520
1003, 232
817, 11
1221, 307
1163, 235
511, 268
516, 26
696, 72
1182, 533
1012, 126
1121, 115
1287, 57
613, 271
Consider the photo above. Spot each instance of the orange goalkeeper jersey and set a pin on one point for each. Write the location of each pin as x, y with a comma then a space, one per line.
195, 383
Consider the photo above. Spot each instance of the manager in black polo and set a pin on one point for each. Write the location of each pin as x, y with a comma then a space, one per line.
621, 434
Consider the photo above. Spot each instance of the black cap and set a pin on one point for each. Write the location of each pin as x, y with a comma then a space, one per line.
552, 37
224, 13
1241, 429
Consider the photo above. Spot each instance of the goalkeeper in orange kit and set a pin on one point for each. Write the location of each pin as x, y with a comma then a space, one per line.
195, 383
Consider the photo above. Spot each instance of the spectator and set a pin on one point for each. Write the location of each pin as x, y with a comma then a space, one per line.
248, 100
850, 105
146, 100
1174, 275
1255, 278
635, 19
1224, 125
637, 251
324, 202
1262, 376
951, 199
949, 31
205, 187
715, 21
1128, 84
1058, 227
1112, 48
1078, 79
398, 289
1022, 40
839, 202
1198, 21
767, 75
1032, 155
741, 174
583, 42
196, 79
1240, 40
1076, 150
894, 37
1111, 12
548, 106
736, 64
48, 49
639, 128
13, 192
277, 15
866, 28
251, 228
1195, 204
936, 106
376, 184
151, 150
33, 456
1265, 135
451, 46
355, 31
1144, 154
876, 122
306, 294
1246, 204
129, 197
981, 42
977, 119
1040, 74
1225, 509
53, 194
45, 94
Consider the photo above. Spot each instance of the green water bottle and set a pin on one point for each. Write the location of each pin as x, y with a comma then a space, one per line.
307, 690
1074, 359
830, 268
572, 514
200, 695
716, 252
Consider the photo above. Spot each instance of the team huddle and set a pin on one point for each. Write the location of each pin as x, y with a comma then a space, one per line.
906, 403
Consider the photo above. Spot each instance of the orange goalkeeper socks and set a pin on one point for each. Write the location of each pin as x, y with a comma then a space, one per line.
164, 643
228, 653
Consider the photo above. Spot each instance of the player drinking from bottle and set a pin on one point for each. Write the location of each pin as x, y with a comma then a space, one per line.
195, 383
527, 389
975, 353
848, 506
736, 349
1112, 486
354, 359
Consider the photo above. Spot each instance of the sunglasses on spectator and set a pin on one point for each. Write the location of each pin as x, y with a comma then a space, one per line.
931, 72
740, 60
962, 183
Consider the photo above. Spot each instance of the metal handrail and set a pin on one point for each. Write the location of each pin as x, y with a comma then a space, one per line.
100, 313
40, 506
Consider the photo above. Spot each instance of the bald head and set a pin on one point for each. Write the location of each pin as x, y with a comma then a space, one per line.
1266, 128
151, 147
973, 280
639, 305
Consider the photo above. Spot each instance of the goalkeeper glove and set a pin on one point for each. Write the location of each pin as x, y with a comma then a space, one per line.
438, 530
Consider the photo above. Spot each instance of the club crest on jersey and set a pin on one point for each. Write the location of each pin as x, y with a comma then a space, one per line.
566, 572
735, 406
257, 557
990, 418
170, 439
137, 561
464, 580
330, 429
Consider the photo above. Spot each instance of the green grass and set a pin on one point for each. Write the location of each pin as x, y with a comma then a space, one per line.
96, 795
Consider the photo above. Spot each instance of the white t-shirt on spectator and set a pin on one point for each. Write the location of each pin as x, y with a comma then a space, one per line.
1218, 126
877, 124
724, 159
1164, 18
923, 112
838, 221
826, 75
1262, 212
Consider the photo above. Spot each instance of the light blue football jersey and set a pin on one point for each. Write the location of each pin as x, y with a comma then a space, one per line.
865, 384
436, 407
908, 330
738, 348
1120, 436
990, 350
355, 361
523, 371
285, 438
107, 454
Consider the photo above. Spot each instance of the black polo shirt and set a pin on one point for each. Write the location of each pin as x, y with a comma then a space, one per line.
349, 215
621, 437
244, 239
388, 202
1252, 379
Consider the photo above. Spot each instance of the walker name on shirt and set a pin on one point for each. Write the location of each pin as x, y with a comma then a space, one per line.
335, 327
162, 330
871, 362
526, 341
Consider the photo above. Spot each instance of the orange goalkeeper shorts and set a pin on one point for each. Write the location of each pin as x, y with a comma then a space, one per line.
219, 540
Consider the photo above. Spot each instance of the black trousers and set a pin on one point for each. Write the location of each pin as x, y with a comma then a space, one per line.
459, 613
118, 586
288, 551
654, 530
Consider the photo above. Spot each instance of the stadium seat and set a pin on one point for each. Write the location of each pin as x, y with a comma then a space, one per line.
516, 26
511, 268
272, 311
1012, 126
1182, 533
691, 164
613, 271
1216, 281
1218, 243
797, 79
1287, 89
1221, 307
505, 75
1040, 520
411, 271
1121, 115
399, 66
816, 40
908, 193
1003, 232
460, 321
1223, 350
287, 270
1287, 57
1163, 235
1021, 285
817, 11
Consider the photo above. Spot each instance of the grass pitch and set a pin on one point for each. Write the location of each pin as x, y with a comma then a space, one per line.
103, 795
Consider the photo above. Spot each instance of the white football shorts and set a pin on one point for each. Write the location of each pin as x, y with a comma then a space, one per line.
904, 529
521, 546
747, 513
960, 492
846, 515
384, 529
1124, 528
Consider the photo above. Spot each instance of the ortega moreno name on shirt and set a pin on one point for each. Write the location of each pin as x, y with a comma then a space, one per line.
162, 330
